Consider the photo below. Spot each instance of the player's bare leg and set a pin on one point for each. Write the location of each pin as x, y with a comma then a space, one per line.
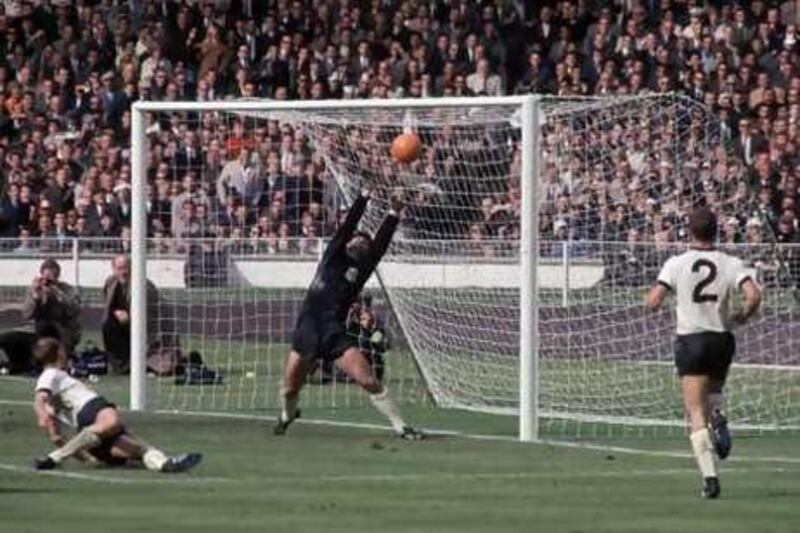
718, 408
355, 365
695, 397
295, 370
128, 447
107, 424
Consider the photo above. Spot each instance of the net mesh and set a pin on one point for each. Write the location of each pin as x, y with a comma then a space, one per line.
618, 178
222, 326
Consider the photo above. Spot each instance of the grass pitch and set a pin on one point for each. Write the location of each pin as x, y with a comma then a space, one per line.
338, 471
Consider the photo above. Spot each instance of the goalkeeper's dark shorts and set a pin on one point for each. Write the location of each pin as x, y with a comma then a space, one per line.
86, 417
317, 337
708, 353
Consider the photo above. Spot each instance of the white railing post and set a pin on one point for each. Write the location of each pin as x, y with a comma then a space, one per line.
76, 263
529, 252
138, 261
565, 246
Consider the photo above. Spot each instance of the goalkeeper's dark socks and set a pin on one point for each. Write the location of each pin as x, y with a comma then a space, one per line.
284, 422
711, 488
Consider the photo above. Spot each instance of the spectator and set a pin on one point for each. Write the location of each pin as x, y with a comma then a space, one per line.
116, 321
60, 195
483, 81
14, 214
212, 52
65, 124
24, 243
240, 178
97, 211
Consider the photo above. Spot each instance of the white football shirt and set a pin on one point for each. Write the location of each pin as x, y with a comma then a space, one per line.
703, 282
68, 395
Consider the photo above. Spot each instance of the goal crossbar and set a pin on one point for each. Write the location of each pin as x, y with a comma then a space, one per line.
311, 105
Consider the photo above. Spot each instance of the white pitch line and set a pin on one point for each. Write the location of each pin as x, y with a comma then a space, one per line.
440, 476
116, 480
388, 478
476, 436
464, 435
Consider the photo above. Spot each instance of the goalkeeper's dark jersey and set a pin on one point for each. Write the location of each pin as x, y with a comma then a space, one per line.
339, 278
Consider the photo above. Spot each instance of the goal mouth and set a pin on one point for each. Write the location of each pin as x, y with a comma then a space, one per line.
589, 195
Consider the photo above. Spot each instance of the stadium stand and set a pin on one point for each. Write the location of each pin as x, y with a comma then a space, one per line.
69, 73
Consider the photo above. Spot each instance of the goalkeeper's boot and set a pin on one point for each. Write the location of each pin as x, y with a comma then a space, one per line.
44, 463
182, 463
722, 435
283, 423
409, 433
711, 488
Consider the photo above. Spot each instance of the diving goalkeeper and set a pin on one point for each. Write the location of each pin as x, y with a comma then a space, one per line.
320, 332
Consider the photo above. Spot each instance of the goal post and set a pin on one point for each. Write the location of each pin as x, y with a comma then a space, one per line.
521, 120
138, 367
528, 253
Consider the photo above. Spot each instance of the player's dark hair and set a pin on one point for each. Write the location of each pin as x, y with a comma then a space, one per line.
703, 224
362, 234
46, 350
50, 264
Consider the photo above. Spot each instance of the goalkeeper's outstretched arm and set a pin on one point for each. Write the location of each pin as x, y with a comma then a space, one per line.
383, 238
384, 235
350, 223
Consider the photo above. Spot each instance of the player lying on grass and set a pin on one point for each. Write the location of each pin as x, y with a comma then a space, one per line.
704, 281
101, 437
320, 332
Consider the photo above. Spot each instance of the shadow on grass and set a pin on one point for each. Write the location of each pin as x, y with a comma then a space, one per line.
25, 490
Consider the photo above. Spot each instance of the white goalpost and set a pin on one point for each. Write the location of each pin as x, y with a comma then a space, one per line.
528, 252
138, 261
513, 285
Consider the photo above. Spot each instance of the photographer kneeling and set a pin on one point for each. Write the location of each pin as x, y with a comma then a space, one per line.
53, 309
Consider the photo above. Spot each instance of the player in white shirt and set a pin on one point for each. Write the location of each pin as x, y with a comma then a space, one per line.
705, 282
61, 399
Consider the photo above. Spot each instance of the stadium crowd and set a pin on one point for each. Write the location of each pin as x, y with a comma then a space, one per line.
69, 72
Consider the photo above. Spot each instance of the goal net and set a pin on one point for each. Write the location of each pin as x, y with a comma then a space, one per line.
237, 227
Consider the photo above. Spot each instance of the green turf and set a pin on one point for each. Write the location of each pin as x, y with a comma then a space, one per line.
326, 477
252, 373
583, 388
332, 478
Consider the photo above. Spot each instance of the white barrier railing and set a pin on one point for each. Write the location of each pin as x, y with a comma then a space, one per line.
564, 266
